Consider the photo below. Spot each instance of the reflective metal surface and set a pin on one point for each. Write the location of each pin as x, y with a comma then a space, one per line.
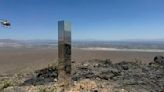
64, 51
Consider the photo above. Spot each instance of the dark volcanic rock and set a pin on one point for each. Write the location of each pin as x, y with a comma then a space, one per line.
43, 76
134, 76
159, 60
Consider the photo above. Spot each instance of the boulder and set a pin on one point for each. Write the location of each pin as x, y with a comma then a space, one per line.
159, 60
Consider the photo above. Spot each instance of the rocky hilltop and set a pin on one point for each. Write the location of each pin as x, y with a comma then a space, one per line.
92, 76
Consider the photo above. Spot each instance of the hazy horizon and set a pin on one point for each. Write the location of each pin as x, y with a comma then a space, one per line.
162, 39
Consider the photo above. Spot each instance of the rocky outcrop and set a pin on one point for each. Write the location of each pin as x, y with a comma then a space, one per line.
132, 76
93, 76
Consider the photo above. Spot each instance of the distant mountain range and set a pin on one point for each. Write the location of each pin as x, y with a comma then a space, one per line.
129, 44
27, 43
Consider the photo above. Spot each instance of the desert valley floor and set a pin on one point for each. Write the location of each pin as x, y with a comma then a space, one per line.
14, 60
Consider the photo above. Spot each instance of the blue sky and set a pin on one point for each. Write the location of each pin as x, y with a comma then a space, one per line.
91, 19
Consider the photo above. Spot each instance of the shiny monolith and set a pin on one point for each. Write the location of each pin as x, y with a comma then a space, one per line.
64, 52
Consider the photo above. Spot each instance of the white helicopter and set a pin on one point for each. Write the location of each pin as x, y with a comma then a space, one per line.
5, 23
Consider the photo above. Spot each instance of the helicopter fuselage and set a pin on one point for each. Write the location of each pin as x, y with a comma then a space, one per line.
5, 23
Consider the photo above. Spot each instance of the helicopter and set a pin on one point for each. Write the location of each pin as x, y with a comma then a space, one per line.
5, 23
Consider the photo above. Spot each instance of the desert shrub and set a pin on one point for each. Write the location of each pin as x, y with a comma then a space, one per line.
5, 83
47, 89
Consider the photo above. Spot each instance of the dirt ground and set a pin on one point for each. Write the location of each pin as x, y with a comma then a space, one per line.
14, 60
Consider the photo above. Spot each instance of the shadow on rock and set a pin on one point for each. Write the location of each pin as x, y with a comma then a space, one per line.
42, 77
